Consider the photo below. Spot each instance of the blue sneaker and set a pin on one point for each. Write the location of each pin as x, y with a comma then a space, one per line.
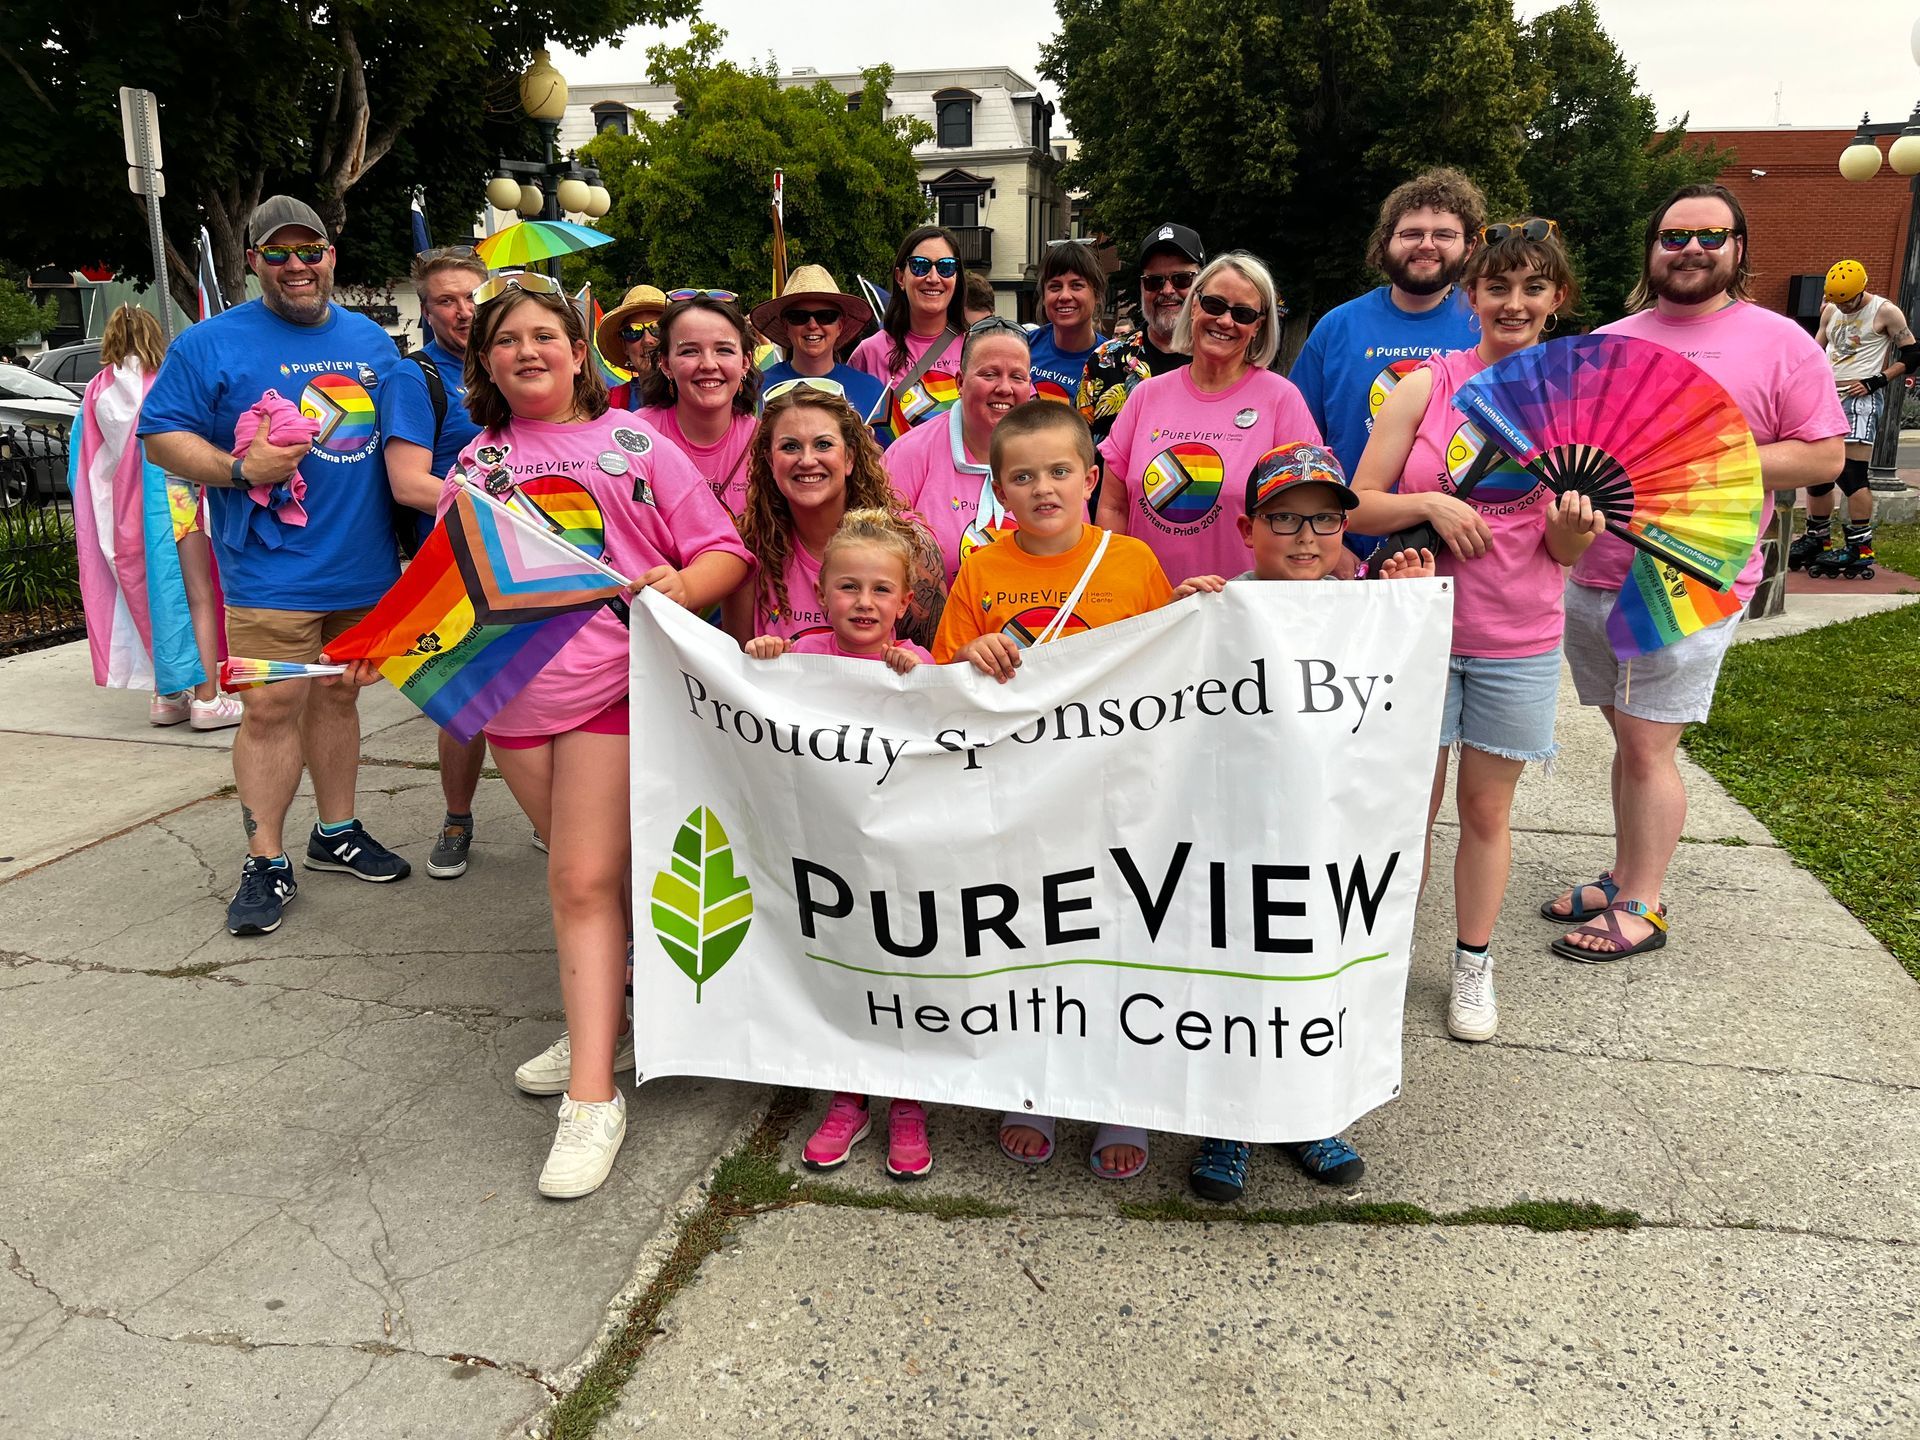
1331, 1161
355, 852
265, 890
1219, 1171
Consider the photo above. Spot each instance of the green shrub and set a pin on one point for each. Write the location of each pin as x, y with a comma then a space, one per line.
39, 564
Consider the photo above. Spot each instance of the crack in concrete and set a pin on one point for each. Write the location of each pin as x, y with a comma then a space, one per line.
1771, 1072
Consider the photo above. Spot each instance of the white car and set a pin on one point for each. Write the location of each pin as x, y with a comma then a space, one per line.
30, 399
36, 415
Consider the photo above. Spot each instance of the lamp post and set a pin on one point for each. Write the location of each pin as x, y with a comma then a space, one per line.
549, 186
1860, 161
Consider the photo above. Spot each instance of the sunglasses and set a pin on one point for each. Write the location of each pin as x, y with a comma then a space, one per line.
1285, 522
310, 254
727, 295
811, 382
1535, 230
919, 265
1179, 279
530, 281
802, 318
631, 333
1711, 238
1216, 307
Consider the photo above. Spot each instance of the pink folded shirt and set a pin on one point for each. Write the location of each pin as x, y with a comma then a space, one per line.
286, 425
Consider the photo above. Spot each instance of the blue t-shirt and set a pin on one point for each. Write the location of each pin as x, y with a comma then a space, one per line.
863, 391
344, 556
1358, 352
406, 411
1053, 367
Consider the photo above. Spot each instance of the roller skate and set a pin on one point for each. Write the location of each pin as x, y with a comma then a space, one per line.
1854, 561
1807, 547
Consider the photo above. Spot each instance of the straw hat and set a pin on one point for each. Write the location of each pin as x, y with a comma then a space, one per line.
808, 283
643, 302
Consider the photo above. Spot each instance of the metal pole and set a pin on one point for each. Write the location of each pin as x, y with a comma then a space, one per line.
1883, 468
150, 178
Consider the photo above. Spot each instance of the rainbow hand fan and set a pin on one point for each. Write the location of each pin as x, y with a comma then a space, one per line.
1656, 443
239, 673
1658, 605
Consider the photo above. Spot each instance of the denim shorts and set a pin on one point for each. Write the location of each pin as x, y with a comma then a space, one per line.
1504, 707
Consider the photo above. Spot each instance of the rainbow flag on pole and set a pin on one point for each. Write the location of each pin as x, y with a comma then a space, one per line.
492, 596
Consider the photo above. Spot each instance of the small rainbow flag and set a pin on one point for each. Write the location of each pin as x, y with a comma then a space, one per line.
1659, 605
889, 421
931, 395
492, 596
239, 673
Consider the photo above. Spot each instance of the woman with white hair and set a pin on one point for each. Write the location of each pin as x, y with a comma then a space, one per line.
1177, 459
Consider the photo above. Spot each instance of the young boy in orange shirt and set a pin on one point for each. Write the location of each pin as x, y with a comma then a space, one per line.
1010, 595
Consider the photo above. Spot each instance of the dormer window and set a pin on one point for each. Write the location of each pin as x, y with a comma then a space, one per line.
953, 118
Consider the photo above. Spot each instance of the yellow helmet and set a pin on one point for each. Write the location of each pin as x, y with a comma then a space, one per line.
1846, 280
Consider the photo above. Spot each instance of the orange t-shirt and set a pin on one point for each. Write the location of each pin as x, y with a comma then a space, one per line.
1001, 587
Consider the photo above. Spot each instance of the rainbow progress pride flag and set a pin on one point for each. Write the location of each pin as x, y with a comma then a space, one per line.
492, 596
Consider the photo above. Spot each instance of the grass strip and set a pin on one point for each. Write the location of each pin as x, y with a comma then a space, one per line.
1813, 734
1548, 1217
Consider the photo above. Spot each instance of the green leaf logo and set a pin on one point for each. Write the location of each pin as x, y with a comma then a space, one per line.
701, 903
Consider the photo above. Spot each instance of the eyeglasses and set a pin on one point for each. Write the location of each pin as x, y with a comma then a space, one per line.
810, 382
1242, 314
531, 281
1535, 230
309, 254
1179, 279
1421, 237
631, 333
1285, 522
802, 318
1710, 238
726, 295
919, 265
989, 324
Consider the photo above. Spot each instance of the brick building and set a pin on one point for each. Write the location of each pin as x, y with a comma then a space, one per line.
1804, 215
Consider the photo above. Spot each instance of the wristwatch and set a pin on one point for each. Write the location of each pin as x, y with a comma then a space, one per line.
235, 474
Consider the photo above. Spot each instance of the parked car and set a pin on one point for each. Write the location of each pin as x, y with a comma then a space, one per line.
71, 365
35, 416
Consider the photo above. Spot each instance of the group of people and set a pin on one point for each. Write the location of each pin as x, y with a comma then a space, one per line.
1110, 474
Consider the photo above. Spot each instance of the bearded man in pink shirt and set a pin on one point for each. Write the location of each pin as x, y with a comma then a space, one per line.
1692, 298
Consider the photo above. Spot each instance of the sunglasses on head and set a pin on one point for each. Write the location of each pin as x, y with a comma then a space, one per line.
631, 333
530, 281
801, 318
1711, 237
1216, 307
311, 253
810, 382
1535, 230
919, 265
727, 295
1179, 279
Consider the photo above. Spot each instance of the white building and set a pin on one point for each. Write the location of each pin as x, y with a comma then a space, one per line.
991, 170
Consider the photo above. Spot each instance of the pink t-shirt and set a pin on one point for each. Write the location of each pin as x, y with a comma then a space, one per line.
931, 472
1506, 602
826, 642
1180, 459
623, 493
804, 615
723, 465
873, 355
1777, 376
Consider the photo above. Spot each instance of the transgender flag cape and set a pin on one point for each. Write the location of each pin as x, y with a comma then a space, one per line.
139, 631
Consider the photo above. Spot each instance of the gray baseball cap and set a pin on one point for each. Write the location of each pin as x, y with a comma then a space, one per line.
276, 212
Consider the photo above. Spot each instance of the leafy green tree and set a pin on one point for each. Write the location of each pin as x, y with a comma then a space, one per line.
1279, 127
691, 194
310, 96
1592, 160
21, 317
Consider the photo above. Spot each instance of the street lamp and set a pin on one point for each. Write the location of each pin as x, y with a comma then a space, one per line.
550, 185
1861, 161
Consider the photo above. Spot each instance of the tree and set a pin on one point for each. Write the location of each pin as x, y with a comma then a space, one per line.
21, 317
1280, 127
691, 194
1592, 161
310, 96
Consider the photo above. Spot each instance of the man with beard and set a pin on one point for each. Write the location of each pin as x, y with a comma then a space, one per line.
1170, 257
1358, 351
303, 532
1692, 298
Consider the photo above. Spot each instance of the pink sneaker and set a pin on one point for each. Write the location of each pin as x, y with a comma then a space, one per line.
846, 1125
218, 713
908, 1157
168, 709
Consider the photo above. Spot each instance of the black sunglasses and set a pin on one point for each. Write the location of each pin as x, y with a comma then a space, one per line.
919, 265
1711, 237
1242, 314
631, 333
1179, 279
803, 318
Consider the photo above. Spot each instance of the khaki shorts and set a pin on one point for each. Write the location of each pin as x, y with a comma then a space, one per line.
296, 635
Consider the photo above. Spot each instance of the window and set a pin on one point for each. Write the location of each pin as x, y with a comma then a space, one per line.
853, 100
959, 212
610, 115
953, 124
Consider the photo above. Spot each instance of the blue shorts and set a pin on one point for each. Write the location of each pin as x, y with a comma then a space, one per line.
1504, 707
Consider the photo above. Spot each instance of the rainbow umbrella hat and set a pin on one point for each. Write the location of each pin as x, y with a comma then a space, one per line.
534, 240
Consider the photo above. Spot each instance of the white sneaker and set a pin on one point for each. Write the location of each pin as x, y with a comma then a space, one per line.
168, 709
1472, 1014
216, 714
550, 1072
584, 1146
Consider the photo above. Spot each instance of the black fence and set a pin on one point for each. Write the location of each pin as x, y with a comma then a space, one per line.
39, 566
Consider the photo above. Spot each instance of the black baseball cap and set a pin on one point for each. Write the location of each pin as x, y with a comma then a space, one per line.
1298, 462
1173, 237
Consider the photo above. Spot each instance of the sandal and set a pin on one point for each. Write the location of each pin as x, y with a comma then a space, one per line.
1604, 884
1042, 1123
1108, 1135
1606, 927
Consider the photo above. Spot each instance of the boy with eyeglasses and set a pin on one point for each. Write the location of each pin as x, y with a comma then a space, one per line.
1296, 506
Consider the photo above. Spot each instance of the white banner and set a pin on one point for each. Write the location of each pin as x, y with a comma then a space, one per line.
1165, 877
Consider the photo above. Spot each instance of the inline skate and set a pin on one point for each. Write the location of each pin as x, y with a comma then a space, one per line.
1853, 561
1807, 547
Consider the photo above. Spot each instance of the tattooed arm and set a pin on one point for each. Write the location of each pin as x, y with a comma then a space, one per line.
929, 597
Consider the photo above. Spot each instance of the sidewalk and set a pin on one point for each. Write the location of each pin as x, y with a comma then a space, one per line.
285, 1187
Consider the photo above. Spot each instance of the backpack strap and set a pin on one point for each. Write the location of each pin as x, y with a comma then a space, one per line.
436, 391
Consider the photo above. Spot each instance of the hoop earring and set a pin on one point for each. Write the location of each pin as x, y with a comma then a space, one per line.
1473, 319
1553, 323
